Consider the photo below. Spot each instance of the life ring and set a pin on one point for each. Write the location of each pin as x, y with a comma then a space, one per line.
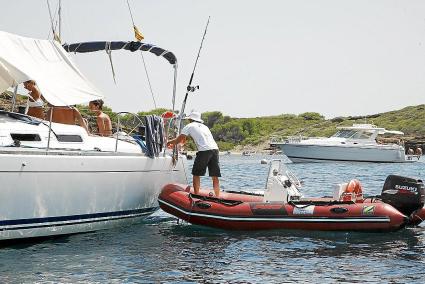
353, 192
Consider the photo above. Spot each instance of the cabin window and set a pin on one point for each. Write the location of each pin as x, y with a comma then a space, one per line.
362, 135
69, 138
25, 137
344, 133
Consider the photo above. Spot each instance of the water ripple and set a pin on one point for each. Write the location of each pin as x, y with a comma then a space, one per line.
160, 250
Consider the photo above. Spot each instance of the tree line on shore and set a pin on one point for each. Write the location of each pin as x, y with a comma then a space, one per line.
230, 132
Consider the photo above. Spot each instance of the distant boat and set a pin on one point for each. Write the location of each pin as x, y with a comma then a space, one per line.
276, 152
248, 153
350, 143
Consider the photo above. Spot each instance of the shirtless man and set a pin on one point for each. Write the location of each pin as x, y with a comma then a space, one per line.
104, 123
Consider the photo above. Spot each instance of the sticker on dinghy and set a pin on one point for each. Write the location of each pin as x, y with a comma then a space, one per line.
368, 210
305, 210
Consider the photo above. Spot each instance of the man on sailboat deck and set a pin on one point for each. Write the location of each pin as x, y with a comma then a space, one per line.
207, 155
104, 123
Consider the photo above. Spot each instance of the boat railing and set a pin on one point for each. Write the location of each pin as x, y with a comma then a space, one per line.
136, 123
295, 139
290, 139
277, 140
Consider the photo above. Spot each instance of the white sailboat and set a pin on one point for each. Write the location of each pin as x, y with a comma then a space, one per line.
351, 143
56, 178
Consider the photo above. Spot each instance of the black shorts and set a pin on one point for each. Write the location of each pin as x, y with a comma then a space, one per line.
206, 159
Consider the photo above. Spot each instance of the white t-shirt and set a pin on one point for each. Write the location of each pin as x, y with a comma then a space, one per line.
202, 136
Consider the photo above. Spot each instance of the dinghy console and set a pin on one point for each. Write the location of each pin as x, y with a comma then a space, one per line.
282, 185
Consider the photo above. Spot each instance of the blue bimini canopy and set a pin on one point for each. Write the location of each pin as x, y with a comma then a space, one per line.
116, 45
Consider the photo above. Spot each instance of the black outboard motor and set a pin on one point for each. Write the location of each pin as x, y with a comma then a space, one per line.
403, 193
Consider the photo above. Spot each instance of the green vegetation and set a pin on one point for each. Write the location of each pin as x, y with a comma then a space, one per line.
231, 132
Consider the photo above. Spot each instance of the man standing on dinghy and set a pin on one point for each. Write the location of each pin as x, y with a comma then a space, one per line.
207, 155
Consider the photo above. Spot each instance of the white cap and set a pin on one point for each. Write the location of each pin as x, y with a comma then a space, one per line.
195, 116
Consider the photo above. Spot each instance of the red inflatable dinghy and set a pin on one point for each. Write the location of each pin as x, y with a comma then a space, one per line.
236, 211
248, 211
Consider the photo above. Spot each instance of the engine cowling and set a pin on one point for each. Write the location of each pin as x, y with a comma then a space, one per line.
403, 193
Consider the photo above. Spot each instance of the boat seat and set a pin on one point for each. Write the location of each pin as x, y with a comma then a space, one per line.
339, 189
67, 115
63, 115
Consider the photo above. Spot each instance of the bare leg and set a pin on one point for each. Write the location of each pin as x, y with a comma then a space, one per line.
196, 183
216, 186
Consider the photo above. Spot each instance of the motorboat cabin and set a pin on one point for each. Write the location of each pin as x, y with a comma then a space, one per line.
350, 143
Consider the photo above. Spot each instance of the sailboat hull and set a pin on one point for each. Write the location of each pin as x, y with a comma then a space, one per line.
72, 192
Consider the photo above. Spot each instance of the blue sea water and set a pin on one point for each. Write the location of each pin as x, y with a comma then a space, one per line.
160, 250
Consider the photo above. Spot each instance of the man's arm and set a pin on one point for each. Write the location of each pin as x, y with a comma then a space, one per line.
179, 139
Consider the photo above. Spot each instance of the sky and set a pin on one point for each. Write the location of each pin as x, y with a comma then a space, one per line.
259, 58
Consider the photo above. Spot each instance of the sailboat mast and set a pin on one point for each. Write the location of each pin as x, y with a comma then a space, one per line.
60, 19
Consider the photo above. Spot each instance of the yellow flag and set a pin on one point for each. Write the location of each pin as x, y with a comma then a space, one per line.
138, 34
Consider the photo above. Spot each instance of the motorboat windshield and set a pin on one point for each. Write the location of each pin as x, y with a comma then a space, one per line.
363, 132
352, 134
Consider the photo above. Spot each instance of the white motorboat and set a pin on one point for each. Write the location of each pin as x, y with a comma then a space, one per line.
248, 153
58, 179
350, 143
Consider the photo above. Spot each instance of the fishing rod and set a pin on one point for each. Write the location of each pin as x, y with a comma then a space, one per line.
190, 88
